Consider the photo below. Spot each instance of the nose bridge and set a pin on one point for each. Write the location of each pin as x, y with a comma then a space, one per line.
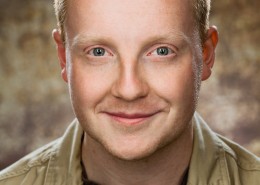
130, 83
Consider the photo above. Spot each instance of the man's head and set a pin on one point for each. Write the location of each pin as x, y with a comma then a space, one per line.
134, 70
201, 9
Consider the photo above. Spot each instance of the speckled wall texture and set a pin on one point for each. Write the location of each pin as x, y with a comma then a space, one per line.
34, 103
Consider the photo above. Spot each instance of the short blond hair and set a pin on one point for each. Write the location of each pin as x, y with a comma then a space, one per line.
201, 12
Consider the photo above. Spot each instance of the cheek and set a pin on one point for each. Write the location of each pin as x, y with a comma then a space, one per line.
174, 84
88, 85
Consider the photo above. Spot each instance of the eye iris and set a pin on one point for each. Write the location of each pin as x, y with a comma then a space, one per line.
162, 51
98, 52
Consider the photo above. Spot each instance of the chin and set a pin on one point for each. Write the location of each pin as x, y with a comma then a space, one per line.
132, 155
135, 151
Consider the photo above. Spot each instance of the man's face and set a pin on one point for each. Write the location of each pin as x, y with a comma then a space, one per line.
130, 72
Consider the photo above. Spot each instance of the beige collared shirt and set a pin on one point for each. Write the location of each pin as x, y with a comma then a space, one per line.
215, 161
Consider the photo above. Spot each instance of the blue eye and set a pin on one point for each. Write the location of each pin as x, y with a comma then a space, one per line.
98, 51
162, 51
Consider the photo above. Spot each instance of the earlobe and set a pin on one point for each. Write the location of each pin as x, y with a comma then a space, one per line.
209, 48
61, 53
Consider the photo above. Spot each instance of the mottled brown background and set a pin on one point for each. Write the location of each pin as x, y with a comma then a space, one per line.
34, 103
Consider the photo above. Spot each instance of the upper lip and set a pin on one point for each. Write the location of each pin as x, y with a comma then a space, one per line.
132, 115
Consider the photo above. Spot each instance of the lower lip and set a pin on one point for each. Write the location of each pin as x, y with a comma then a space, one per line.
129, 121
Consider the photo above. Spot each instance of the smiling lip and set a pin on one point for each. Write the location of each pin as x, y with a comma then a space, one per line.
130, 119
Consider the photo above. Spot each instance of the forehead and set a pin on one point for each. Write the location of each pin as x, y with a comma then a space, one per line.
129, 18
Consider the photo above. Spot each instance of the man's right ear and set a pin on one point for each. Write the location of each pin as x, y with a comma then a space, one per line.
61, 53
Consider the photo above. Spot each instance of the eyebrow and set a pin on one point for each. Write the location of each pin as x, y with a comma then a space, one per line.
81, 39
173, 35
177, 35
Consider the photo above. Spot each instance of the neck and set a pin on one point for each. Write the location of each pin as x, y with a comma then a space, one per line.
166, 166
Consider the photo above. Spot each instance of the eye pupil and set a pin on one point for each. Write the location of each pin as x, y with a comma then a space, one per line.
98, 51
162, 51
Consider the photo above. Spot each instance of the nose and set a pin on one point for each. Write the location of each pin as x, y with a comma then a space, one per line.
130, 84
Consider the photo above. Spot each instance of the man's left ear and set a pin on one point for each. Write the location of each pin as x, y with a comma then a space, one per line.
209, 48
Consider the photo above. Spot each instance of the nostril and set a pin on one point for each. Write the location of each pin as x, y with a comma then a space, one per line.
130, 86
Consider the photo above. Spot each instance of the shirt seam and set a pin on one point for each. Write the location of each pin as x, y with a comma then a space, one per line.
243, 166
41, 161
22, 171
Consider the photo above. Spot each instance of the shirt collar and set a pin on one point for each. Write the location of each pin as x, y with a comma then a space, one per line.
64, 166
208, 163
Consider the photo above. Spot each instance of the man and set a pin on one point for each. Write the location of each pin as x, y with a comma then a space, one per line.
134, 70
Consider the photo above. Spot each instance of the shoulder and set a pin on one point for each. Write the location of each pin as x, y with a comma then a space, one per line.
221, 159
242, 165
33, 165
